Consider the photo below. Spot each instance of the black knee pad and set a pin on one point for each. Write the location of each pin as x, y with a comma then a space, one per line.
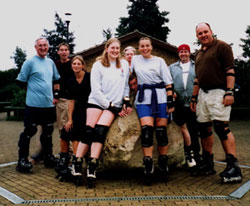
205, 129
161, 136
89, 135
24, 140
100, 133
66, 136
48, 129
147, 133
222, 129
46, 138
30, 131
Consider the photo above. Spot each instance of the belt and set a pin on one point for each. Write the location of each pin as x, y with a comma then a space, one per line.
206, 90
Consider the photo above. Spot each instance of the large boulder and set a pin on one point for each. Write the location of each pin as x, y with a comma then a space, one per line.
123, 145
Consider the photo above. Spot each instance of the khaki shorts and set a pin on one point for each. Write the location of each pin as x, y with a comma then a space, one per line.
210, 107
61, 113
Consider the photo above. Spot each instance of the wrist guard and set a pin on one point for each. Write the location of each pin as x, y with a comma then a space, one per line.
56, 93
229, 92
115, 110
126, 102
170, 102
194, 98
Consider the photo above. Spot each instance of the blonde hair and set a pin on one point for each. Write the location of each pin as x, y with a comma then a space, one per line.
104, 57
129, 48
80, 58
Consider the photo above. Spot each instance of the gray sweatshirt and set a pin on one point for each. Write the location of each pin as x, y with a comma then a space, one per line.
109, 84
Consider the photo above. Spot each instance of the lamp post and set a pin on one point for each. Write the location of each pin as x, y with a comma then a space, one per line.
67, 20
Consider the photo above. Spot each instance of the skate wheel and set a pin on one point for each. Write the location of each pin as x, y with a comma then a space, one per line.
148, 180
78, 181
90, 183
225, 180
23, 170
61, 179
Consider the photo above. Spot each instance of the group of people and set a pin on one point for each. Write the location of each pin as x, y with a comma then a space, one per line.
196, 93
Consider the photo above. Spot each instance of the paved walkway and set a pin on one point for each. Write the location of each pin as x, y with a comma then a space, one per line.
122, 187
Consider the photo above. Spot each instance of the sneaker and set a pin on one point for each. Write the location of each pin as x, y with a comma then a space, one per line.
190, 159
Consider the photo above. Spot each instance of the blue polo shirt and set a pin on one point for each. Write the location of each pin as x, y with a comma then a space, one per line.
39, 73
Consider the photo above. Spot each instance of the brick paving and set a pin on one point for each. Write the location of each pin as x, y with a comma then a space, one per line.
124, 183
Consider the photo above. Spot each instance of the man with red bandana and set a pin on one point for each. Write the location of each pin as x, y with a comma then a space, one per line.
183, 74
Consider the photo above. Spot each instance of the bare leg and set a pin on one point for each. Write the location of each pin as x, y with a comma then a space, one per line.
229, 144
64, 146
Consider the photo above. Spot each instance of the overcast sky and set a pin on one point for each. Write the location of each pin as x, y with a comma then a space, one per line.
23, 21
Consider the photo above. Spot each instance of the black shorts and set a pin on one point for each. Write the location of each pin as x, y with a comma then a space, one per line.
39, 116
94, 106
182, 115
79, 122
77, 132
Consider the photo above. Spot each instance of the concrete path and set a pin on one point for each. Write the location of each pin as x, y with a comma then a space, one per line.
119, 187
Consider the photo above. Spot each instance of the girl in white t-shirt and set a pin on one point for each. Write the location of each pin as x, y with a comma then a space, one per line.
154, 102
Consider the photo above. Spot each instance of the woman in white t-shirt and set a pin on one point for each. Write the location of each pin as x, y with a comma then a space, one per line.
109, 95
154, 102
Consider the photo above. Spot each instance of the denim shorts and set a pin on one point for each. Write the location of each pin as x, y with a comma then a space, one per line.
145, 110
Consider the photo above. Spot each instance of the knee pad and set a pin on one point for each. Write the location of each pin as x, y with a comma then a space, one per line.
65, 135
24, 140
48, 129
147, 133
30, 131
46, 138
89, 135
222, 129
161, 136
100, 133
205, 129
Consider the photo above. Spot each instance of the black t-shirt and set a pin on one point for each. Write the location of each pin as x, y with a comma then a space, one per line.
65, 71
79, 91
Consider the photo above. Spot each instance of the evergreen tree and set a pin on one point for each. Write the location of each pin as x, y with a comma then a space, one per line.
107, 34
144, 15
242, 72
246, 45
19, 57
57, 36
8, 86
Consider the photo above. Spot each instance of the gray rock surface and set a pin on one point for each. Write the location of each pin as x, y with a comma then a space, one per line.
123, 145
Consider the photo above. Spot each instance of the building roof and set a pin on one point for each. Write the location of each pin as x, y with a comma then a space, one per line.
135, 35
